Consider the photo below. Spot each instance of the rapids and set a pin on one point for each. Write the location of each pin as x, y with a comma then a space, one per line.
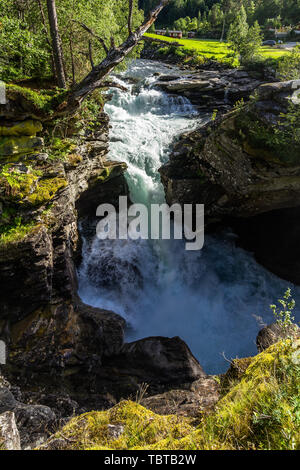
215, 299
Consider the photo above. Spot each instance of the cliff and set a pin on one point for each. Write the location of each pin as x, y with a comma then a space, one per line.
245, 168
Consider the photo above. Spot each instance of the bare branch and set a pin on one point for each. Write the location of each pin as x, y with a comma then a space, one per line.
90, 31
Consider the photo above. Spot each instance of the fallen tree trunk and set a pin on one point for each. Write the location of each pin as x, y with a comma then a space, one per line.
115, 55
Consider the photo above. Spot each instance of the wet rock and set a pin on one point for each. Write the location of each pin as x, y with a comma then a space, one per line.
211, 87
9, 434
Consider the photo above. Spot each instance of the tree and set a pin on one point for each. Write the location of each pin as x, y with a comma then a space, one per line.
114, 56
226, 7
244, 41
56, 44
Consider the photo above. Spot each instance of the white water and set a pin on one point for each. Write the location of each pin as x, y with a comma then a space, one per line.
210, 298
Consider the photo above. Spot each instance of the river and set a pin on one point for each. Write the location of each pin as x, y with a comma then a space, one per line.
215, 299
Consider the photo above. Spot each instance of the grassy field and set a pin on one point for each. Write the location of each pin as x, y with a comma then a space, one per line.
211, 48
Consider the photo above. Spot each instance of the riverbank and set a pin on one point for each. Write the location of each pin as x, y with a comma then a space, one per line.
70, 357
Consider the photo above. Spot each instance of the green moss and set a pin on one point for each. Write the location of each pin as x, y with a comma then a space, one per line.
141, 428
19, 146
46, 190
262, 411
28, 128
14, 233
42, 101
29, 188
38, 99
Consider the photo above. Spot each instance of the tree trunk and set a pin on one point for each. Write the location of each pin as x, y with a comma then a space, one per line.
223, 30
56, 44
43, 18
114, 57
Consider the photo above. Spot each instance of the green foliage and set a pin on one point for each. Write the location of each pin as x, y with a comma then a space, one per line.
269, 13
23, 52
283, 314
244, 41
239, 104
290, 122
289, 65
280, 144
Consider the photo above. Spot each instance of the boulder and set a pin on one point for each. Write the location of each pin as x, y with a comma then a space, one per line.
273, 333
159, 359
202, 395
35, 423
9, 434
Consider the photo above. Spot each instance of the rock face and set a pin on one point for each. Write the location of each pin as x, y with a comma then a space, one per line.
46, 328
239, 170
66, 357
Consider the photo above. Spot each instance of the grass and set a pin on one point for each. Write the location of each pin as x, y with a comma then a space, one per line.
260, 411
214, 49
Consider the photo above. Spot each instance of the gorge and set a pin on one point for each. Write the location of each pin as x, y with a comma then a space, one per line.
178, 309
211, 299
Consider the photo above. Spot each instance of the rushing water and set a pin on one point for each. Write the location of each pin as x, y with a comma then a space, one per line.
212, 299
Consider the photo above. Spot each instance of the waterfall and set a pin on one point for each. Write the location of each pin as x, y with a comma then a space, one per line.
211, 299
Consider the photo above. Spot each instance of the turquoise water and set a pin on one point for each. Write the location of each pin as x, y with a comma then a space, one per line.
216, 299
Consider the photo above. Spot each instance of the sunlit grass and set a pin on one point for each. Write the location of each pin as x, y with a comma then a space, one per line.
213, 48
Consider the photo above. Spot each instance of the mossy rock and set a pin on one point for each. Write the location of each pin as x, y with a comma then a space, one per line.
19, 146
28, 127
30, 188
137, 428
261, 412
46, 190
